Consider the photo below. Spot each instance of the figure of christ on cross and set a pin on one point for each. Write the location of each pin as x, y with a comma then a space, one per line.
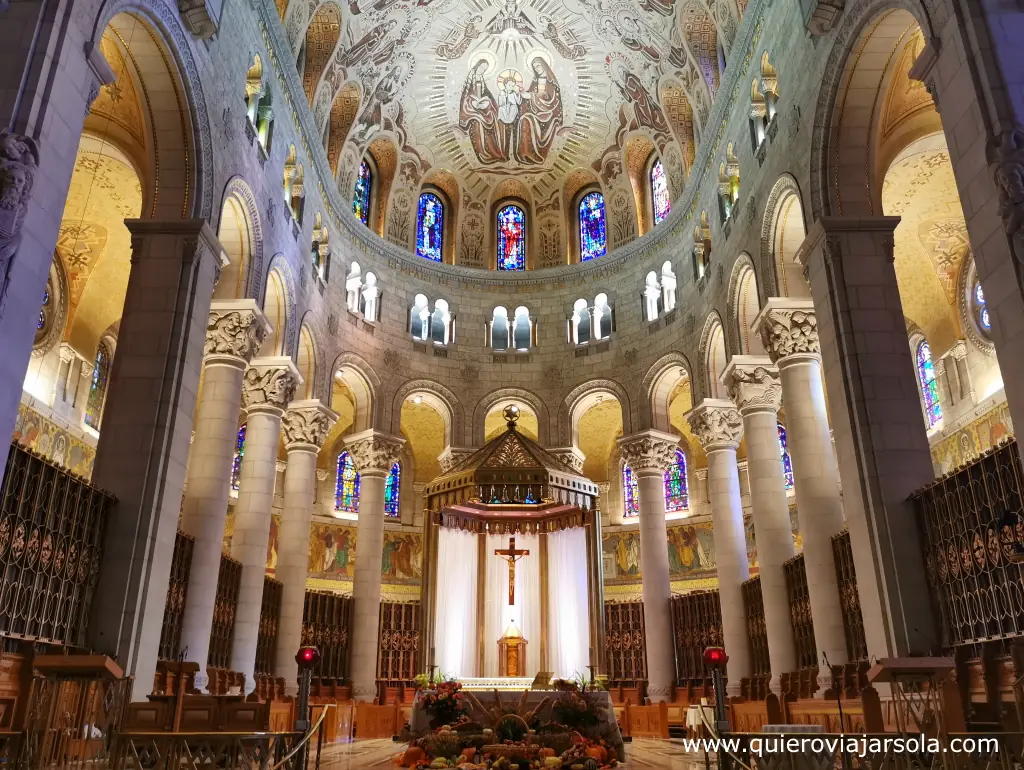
511, 555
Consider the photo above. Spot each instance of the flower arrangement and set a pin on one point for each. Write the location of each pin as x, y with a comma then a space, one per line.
444, 704
576, 711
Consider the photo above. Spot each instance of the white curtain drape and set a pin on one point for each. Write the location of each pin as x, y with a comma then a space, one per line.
455, 650
526, 611
568, 613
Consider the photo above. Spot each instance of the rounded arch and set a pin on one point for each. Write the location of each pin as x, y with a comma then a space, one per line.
308, 356
584, 396
437, 396
282, 272
530, 399
657, 387
364, 385
744, 305
241, 236
712, 356
782, 233
275, 309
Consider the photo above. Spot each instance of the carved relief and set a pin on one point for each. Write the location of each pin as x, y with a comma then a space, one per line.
754, 386
306, 425
375, 453
716, 425
19, 159
1006, 156
237, 333
647, 452
789, 332
271, 386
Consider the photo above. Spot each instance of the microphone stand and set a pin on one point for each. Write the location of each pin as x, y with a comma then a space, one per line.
842, 721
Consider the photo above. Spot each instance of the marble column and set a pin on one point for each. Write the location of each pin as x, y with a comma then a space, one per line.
268, 385
305, 425
753, 384
373, 454
718, 427
234, 333
143, 447
789, 333
648, 454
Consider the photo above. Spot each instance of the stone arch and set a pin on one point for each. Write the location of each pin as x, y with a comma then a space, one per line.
444, 400
508, 394
276, 310
782, 233
843, 173
280, 265
657, 387
241, 236
744, 304
581, 398
713, 354
308, 356
364, 384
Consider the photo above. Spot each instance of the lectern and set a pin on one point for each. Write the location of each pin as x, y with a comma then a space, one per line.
924, 694
511, 652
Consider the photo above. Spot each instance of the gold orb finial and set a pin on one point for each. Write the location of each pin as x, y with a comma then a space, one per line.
511, 414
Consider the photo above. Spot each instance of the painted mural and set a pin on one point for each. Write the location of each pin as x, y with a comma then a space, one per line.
332, 552
748, 529
970, 441
621, 556
34, 431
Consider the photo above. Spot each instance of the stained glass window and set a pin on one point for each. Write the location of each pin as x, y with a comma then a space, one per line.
659, 192
361, 193
630, 493
346, 490
929, 387
981, 309
236, 463
98, 387
787, 463
676, 498
511, 238
430, 227
392, 490
593, 227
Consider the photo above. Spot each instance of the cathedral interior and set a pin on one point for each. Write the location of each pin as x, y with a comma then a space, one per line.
509, 346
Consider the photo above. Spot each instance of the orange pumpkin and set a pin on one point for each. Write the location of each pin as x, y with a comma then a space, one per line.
544, 753
598, 753
413, 754
469, 752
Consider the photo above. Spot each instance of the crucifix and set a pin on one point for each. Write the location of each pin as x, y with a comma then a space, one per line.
511, 555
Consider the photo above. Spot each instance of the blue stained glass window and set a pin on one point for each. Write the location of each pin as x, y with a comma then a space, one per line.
98, 387
511, 238
430, 228
981, 309
676, 498
236, 462
346, 490
787, 463
630, 493
593, 227
361, 193
392, 490
929, 387
659, 192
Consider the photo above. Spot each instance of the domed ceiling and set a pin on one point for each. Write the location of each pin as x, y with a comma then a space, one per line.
521, 97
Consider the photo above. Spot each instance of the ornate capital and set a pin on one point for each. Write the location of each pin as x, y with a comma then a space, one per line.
306, 425
322, 474
19, 160
788, 327
373, 452
235, 330
648, 452
269, 384
571, 457
716, 424
1006, 158
753, 383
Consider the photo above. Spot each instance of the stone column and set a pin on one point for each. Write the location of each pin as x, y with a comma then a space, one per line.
789, 333
234, 333
648, 454
269, 385
880, 436
373, 454
718, 427
306, 425
753, 383
143, 448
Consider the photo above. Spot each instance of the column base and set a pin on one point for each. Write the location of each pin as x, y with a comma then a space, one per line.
824, 683
775, 685
363, 694
659, 693
732, 690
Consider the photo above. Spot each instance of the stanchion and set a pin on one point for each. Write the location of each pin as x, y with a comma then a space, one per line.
307, 658
715, 659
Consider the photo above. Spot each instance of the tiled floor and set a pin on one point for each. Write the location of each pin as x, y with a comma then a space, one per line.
643, 754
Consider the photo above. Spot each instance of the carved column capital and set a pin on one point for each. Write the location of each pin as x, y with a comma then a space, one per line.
753, 384
306, 425
19, 160
322, 474
571, 457
373, 453
788, 328
269, 384
648, 452
234, 333
716, 424
452, 456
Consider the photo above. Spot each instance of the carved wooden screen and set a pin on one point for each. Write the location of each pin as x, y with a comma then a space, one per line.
177, 594
696, 625
800, 612
972, 522
327, 625
51, 539
270, 617
849, 597
757, 631
228, 580
625, 643
399, 642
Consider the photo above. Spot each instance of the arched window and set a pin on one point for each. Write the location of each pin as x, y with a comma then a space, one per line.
419, 318
98, 387
522, 329
580, 322
499, 329
602, 317
593, 227
668, 287
630, 493
929, 386
392, 489
652, 296
430, 228
236, 462
511, 238
981, 316
787, 463
361, 193
346, 490
369, 305
676, 498
660, 203
440, 323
